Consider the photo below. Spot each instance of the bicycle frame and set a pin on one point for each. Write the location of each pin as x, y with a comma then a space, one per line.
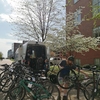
95, 84
22, 84
77, 84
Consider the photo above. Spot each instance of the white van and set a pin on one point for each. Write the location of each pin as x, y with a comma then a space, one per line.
31, 50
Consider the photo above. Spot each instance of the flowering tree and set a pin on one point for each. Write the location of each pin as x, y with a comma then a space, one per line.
34, 19
71, 40
1, 55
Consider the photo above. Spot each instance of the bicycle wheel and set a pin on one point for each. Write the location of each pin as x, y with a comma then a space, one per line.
5, 84
17, 93
73, 94
66, 81
94, 93
54, 91
3, 73
47, 91
51, 88
5, 97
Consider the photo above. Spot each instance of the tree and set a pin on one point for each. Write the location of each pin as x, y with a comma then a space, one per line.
1, 55
56, 41
69, 39
95, 10
34, 19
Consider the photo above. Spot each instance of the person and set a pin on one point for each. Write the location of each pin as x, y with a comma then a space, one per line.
68, 64
63, 64
46, 67
31, 58
28, 54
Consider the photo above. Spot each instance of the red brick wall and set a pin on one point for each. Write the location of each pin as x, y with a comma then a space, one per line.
88, 57
86, 28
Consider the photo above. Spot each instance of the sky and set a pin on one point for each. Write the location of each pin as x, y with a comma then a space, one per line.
6, 39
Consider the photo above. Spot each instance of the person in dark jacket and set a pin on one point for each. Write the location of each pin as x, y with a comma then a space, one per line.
68, 64
46, 66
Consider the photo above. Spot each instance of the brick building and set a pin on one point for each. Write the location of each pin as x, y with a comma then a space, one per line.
86, 27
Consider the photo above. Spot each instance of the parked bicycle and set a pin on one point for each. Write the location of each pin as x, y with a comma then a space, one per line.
25, 84
75, 89
93, 86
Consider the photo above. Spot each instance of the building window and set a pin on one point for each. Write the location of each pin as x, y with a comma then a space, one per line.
77, 17
78, 61
76, 1
96, 7
96, 32
97, 62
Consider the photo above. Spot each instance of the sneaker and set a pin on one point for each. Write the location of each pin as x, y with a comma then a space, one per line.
64, 97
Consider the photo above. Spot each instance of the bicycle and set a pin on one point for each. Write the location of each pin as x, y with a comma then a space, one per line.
94, 85
8, 76
35, 91
75, 89
40, 87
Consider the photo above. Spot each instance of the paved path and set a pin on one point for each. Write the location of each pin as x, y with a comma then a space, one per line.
5, 61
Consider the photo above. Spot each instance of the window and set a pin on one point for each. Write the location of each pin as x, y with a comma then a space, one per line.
78, 61
96, 32
96, 7
76, 1
97, 62
77, 17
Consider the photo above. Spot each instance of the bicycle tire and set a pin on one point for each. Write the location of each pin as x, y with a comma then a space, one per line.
72, 94
52, 89
2, 74
93, 93
5, 81
17, 93
7, 97
47, 91
5, 84
67, 79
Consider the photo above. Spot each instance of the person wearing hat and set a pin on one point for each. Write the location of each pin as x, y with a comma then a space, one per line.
68, 64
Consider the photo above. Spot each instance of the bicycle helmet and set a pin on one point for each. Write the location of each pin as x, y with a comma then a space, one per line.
71, 58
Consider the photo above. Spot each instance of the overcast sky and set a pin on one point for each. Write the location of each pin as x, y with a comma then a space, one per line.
6, 39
